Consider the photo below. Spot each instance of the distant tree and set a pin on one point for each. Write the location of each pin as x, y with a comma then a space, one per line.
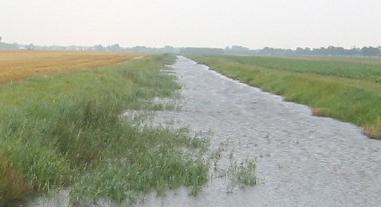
370, 51
140, 49
30, 47
169, 49
331, 50
98, 48
353, 52
202, 51
323, 51
299, 51
0, 39
114, 47
237, 50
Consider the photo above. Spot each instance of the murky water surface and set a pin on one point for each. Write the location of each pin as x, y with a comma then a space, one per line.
302, 160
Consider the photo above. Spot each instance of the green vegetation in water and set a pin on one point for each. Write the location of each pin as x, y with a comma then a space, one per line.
66, 131
236, 173
241, 174
348, 89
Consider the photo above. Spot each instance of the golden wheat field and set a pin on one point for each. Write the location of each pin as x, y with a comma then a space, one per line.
16, 65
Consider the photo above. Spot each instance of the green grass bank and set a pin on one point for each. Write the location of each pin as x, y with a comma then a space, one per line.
65, 131
347, 89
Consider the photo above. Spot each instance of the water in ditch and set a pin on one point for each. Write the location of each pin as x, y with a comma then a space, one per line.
302, 160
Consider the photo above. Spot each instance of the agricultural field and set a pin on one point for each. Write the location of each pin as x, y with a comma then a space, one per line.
65, 131
16, 65
347, 89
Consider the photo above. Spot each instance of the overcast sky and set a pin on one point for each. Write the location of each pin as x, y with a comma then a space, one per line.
207, 23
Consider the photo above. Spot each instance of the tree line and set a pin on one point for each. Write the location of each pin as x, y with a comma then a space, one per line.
233, 50
323, 51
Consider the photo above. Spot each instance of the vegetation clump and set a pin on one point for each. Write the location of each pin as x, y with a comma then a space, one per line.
66, 131
241, 174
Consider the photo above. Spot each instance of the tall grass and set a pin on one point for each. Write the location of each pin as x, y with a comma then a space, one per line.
346, 89
65, 131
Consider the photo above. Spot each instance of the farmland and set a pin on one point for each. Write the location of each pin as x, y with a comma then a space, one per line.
16, 65
347, 89
64, 129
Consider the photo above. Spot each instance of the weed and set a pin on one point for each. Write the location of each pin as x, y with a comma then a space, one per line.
241, 174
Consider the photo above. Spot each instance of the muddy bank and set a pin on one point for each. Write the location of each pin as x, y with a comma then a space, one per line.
302, 160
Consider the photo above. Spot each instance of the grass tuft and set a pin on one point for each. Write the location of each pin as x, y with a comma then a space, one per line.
12, 183
241, 174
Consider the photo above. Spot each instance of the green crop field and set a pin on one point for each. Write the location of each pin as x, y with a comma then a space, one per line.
348, 89
65, 130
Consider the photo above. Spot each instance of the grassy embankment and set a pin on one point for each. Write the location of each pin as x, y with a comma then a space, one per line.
348, 89
65, 131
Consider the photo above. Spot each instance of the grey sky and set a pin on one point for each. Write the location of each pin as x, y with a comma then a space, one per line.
209, 23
